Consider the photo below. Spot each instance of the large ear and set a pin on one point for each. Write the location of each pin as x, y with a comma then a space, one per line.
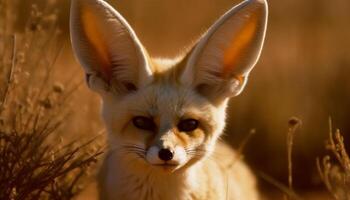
108, 49
219, 64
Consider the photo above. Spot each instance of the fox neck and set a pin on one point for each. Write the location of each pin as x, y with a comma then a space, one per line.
142, 182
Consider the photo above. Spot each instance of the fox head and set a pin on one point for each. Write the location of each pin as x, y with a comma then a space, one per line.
165, 113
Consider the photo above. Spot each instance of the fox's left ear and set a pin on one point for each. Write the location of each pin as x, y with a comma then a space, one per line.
219, 64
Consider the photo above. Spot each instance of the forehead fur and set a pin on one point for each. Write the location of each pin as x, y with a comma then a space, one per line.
166, 70
166, 94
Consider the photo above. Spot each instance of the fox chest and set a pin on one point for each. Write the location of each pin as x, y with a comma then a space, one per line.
119, 184
146, 188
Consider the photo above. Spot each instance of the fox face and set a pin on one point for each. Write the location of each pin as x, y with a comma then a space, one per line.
165, 113
165, 124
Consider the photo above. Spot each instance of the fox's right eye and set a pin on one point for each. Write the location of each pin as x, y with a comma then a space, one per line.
144, 123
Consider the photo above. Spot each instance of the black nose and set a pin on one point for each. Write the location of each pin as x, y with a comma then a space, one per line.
165, 154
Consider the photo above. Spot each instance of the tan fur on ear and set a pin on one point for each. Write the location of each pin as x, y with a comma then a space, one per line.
237, 47
107, 47
93, 35
225, 55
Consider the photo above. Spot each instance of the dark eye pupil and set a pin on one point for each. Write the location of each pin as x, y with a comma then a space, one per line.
188, 125
143, 123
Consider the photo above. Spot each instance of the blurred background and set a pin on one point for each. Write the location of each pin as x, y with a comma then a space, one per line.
303, 72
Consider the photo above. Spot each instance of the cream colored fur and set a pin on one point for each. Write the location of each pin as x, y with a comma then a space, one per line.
196, 86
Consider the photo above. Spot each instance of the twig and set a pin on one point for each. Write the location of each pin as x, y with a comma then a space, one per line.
10, 77
293, 124
279, 186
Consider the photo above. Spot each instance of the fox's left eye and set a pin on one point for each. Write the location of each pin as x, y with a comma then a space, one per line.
188, 125
144, 123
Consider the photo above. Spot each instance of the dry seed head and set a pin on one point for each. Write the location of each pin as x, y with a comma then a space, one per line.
51, 2
80, 187
13, 193
26, 74
20, 57
15, 80
294, 121
46, 103
51, 18
60, 140
35, 11
52, 157
33, 26
18, 70
58, 88
336, 173
326, 162
29, 102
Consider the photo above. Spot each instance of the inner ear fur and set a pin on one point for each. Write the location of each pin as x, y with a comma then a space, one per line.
220, 63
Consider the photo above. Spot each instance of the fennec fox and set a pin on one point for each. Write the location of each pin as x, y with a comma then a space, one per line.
164, 116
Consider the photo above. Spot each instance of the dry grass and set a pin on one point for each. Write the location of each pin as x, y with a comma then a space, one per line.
334, 168
35, 162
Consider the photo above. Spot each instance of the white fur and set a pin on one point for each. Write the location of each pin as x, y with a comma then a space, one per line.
152, 155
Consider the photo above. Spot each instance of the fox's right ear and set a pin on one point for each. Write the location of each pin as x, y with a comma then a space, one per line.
109, 50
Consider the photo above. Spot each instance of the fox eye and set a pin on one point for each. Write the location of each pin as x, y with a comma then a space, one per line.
143, 123
188, 125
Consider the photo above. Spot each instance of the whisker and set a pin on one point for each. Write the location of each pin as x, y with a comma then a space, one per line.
133, 151
198, 153
136, 149
137, 155
132, 146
